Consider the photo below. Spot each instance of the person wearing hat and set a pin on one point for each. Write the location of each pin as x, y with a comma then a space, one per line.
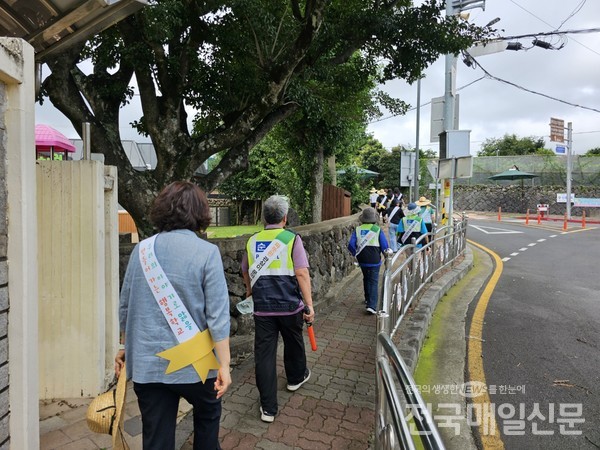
175, 321
368, 244
373, 197
383, 200
426, 212
411, 226
394, 215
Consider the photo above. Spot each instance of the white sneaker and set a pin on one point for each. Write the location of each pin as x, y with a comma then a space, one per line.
371, 311
266, 417
295, 387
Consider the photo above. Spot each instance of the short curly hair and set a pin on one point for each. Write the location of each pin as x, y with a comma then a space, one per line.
181, 205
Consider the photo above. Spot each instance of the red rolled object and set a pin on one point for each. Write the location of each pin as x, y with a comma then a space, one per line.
311, 337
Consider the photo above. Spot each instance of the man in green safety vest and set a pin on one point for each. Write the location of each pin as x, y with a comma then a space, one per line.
275, 271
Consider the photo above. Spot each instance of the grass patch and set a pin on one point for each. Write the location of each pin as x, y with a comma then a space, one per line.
233, 231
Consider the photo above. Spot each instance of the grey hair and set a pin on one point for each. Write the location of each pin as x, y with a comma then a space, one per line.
275, 208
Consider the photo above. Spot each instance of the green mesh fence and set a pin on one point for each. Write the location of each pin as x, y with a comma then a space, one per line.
550, 170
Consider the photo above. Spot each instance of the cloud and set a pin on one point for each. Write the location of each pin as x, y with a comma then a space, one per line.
491, 108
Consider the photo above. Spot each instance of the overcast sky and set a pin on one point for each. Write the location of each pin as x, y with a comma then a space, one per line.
489, 108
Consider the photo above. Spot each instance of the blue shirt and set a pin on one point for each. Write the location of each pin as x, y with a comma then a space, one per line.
383, 246
195, 269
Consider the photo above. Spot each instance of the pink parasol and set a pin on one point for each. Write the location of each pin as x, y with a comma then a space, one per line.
48, 139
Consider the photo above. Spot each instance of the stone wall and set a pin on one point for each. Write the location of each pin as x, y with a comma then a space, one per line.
326, 246
517, 199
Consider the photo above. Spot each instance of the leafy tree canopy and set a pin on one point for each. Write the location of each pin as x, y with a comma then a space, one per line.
593, 152
244, 66
511, 145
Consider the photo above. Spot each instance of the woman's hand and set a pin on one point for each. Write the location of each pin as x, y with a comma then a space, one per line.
119, 362
223, 381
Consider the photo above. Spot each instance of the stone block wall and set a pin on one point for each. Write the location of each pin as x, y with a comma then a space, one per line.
516, 199
326, 245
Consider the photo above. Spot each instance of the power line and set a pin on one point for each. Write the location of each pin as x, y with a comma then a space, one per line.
575, 11
556, 29
423, 104
510, 83
549, 33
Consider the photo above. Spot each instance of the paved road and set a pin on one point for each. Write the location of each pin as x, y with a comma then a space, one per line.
541, 349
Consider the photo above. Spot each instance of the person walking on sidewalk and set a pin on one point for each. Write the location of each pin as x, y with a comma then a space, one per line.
426, 212
394, 215
373, 197
411, 226
174, 302
275, 271
368, 243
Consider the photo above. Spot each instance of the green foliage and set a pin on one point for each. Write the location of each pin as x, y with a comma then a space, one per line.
246, 66
232, 231
593, 152
370, 153
352, 181
510, 145
389, 168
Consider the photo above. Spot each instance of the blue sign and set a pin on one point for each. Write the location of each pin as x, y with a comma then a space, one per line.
561, 149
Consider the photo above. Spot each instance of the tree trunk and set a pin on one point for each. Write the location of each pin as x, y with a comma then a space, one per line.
317, 185
331, 167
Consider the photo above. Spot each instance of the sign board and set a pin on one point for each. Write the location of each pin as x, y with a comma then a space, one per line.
562, 198
455, 143
435, 186
464, 167
542, 207
407, 167
432, 167
557, 130
560, 150
587, 202
437, 117
455, 168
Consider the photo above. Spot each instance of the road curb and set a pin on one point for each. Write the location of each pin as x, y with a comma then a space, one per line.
413, 330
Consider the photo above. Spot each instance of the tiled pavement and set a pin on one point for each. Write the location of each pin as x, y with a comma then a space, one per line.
334, 410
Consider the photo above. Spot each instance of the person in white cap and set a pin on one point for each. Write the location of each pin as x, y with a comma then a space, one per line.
411, 226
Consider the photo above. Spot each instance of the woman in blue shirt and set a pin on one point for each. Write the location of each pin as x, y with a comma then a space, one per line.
194, 270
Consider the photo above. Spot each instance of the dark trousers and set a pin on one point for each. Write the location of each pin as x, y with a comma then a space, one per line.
266, 335
159, 403
370, 285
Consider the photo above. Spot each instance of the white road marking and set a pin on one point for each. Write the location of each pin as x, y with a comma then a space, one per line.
505, 259
494, 230
531, 245
541, 240
514, 254
523, 249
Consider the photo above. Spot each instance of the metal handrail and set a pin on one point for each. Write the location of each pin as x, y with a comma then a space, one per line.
405, 276
428, 431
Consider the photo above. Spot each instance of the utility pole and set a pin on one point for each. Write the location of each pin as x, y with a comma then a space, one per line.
569, 166
416, 175
453, 7
449, 105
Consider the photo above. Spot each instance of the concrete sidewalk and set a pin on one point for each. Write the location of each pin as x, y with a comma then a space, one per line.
334, 410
